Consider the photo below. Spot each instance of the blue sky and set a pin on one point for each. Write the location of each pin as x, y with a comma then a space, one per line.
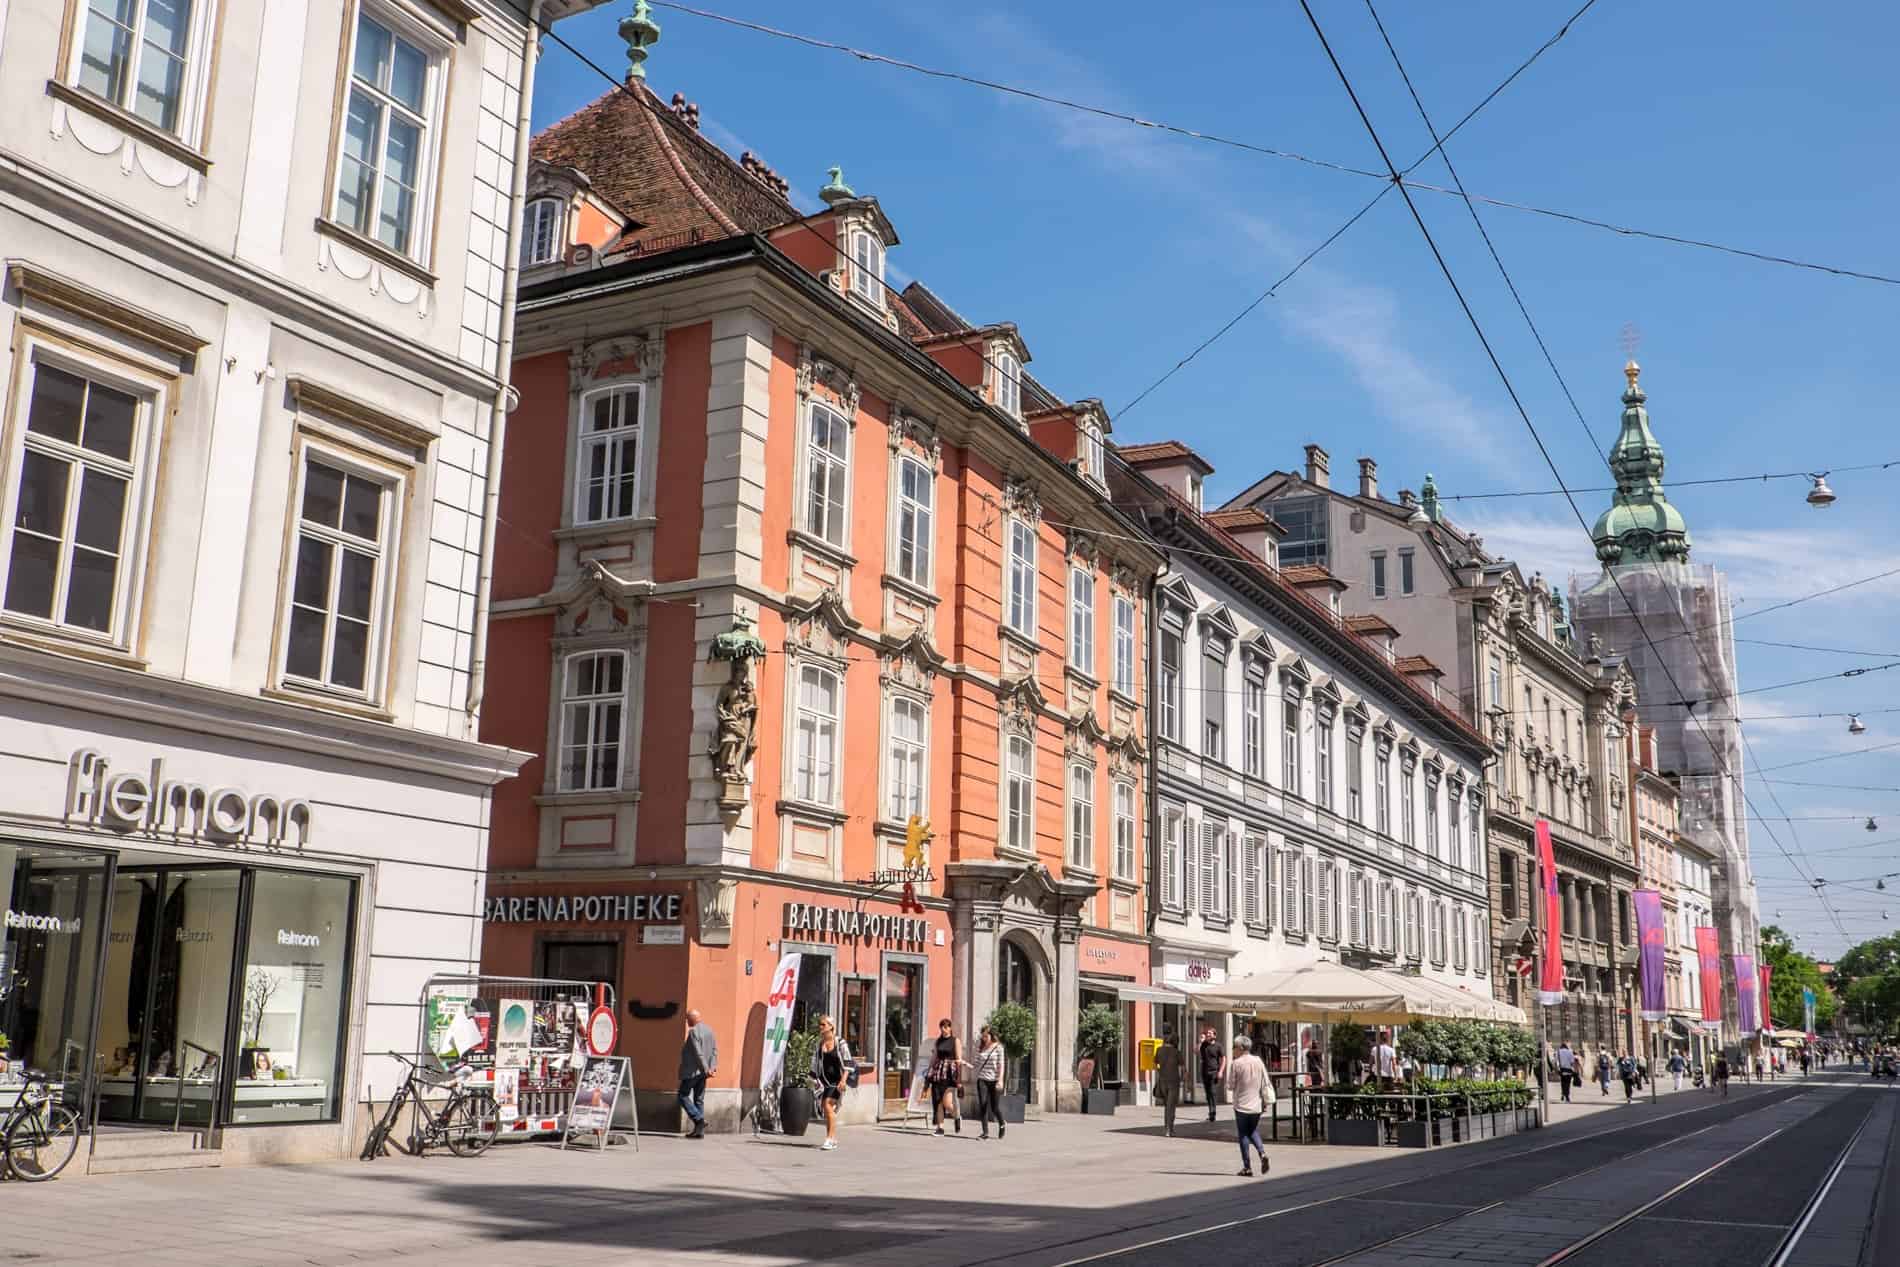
1116, 249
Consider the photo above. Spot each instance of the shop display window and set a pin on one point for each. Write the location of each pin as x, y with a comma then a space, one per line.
294, 989
52, 905
903, 1021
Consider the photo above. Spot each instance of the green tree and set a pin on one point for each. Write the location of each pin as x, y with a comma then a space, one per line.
1791, 973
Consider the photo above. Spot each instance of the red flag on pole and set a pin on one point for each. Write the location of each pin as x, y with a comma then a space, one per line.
1767, 974
1709, 959
1550, 986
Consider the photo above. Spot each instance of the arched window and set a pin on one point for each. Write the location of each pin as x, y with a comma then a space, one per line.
541, 236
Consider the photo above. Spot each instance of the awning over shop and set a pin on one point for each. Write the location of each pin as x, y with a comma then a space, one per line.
1442, 1000
1130, 993
1323, 992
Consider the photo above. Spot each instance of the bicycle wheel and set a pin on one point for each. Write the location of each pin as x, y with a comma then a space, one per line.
40, 1143
471, 1124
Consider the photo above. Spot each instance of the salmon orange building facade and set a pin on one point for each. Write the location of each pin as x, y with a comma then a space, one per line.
790, 562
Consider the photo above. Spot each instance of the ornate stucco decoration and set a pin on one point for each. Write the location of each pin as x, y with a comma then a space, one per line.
1126, 755
628, 355
1021, 499
715, 910
1083, 547
1125, 580
821, 377
912, 660
1082, 734
908, 432
1020, 703
820, 624
597, 602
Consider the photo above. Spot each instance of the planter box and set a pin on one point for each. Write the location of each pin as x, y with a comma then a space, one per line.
1100, 1102
1415, 1134
1463, 1129
1014, 1107
1352, 1132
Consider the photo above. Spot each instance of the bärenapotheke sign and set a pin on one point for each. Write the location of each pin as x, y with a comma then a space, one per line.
588, 908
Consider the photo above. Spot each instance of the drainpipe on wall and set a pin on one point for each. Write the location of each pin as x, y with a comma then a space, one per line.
504, 362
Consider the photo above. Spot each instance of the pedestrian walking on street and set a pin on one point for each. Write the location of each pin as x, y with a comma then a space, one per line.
699, 1060
1168, 1080
946, 1070
1213, 1063
1676, 1063
989, 1084
1603, 1071
831, 1064
1721, 1073
1626, 1070
1385, 1061
1567, 1071
1250, 1091
1805, 1060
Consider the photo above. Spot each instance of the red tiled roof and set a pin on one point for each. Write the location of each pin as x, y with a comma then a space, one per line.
1371, 624
1418, 664
646, 160
1161, 451
1241, 519
1311, 574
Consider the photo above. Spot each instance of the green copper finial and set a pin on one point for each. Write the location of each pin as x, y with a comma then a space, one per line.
835, 190
1428, 499
640, 32
1640, 526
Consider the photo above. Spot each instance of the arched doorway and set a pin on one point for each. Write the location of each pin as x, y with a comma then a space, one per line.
1018, 980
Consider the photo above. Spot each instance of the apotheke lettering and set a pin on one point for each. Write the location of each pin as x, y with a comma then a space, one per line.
156, 805
804, 917
617, 908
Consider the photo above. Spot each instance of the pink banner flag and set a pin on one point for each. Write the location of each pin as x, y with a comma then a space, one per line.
1708, 952
1652, 940
1767, 1000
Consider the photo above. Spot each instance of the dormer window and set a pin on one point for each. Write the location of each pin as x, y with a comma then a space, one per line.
1194, 490
867, 269
1089, 450
1009, 384
541, 224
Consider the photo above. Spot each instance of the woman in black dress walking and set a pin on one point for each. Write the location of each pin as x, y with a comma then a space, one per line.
946, 1067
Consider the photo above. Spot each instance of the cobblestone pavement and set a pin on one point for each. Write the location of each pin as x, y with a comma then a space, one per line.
1062, 1188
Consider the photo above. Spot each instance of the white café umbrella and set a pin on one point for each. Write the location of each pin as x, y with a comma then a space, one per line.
1324, 992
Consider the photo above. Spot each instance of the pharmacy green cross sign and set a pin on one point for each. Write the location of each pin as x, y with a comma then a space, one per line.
777, 1033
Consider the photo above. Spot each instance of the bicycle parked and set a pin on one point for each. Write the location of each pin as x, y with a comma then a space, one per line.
40, 1135
468, 1121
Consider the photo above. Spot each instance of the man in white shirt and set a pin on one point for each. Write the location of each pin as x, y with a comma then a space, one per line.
1250, 1091
1385, 1060
1566, 1068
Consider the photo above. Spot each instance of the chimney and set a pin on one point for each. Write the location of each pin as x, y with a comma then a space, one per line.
1368, 479
1317, 468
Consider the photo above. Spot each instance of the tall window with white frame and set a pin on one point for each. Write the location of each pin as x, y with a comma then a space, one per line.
916, 513
867, 269
1020, 607
827, 474
1290, 744
1082, 620
1254, 720
1089, 449
909, 727
1355, 772
337, 578
1405, 572
1122, 680
1124, 793
1082, 817
1408, 805
815, 756
1170, 719
607, 482
138, 55
1431, 817
1213, 701
383, 161
1378, 574
1454, 829
1171, 859
1473, 814
1323, 757
593, 706
76, 512
542, 222
1496, 696
1009, 384
1382, 789
1019, 793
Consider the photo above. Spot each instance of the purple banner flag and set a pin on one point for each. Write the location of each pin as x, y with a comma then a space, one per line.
1747, 993
1653, 939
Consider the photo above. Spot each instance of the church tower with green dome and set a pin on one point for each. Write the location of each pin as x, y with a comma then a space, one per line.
1640, 526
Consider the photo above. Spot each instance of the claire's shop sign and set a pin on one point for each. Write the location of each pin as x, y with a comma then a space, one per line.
585, 908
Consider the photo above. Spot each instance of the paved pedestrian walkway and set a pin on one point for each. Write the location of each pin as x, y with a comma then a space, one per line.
1065, 1180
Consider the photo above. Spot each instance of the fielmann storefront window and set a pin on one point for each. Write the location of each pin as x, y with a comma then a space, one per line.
179, 992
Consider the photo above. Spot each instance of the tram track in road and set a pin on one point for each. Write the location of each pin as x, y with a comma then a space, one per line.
1404, 1199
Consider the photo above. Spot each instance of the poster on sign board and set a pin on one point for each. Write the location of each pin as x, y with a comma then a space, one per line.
596, 1092
514, 1033
508, 1093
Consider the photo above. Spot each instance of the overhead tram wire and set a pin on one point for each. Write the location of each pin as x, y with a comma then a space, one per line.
1674, 483
1211, 138
1511, 390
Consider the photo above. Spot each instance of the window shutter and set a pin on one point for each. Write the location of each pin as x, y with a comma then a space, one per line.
1251, 866
1355, 922
1289, 890
1233, 874
1326, 930
1210, 869
1306, 894
1170, 847
1269, 857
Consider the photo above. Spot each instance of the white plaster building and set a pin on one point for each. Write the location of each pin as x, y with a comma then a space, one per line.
258, 277
1313, 799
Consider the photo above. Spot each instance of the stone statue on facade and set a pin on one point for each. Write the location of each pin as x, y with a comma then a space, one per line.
735, 732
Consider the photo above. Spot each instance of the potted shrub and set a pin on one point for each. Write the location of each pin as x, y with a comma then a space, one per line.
1098, 1031
797, 1104
1014, 1025
1353, 1118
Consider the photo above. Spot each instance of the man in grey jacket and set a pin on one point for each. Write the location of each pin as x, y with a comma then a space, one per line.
699, 1060
1168, 1080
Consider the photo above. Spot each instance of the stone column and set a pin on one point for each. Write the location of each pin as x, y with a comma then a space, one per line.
1062, 1016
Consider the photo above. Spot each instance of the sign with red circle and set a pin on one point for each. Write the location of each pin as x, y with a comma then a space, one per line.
603, 1032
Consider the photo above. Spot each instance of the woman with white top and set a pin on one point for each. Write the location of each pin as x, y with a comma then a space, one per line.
1250, 1091
989, 1083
